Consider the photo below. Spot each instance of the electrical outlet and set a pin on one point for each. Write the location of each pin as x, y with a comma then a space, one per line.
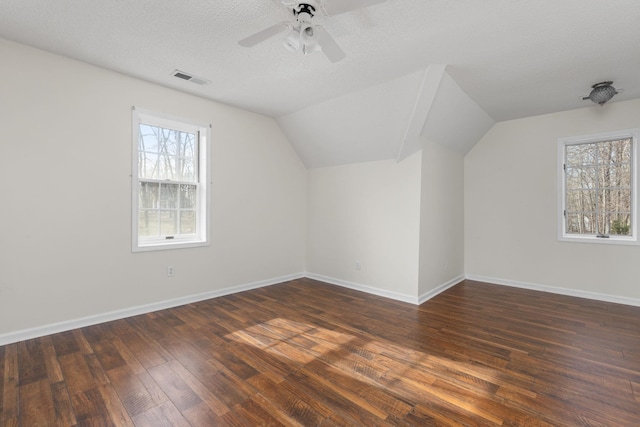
358, 266
171, 271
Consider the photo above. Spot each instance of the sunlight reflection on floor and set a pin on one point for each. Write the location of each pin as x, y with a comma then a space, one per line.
374, 363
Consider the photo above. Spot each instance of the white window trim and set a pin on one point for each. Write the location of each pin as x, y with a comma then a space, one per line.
202, 238
634, 134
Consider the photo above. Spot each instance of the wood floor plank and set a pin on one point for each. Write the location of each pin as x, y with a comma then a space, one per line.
90, 408
182, 396
135, 397
36, 404
81, 340
308, 353
54, 372
208, 395
31, 361
11, 422
65, 343
164, 415
10, 383
202, 415
108, 354
62, 404
115, 409
148, 352
77, 373
248, 413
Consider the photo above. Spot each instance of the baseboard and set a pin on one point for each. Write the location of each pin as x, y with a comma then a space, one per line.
364, 288
67, 325
387, 294
432, 293
53, 328
556, 290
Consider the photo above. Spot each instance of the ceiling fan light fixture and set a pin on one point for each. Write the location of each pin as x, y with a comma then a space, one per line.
308, 35
292, 41
309, 39
602, 92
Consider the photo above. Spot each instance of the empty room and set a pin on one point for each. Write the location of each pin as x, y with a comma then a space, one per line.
319, 213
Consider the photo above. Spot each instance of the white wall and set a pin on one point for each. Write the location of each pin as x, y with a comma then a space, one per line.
367, 212
441, 217
65, 228
511, 213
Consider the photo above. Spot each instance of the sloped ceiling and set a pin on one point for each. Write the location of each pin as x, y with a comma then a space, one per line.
512, 58
455, 120
360, 126
378, 123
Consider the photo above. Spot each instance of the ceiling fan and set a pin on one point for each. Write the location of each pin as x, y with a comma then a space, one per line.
304, 35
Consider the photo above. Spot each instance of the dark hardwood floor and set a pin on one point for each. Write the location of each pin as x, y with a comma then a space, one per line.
308, 353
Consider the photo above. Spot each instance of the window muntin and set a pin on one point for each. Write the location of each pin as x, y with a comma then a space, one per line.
170, 183
597, 187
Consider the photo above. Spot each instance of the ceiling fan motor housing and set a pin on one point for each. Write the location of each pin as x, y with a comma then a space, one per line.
307, 11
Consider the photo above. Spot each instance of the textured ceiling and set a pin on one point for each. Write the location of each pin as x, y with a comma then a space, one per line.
514, 58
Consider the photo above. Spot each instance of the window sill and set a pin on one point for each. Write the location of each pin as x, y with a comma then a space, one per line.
599, 240
163, 246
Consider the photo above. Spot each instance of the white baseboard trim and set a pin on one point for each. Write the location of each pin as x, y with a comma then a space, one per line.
432, 293
556, 290
67, 325
384, 293
364, 288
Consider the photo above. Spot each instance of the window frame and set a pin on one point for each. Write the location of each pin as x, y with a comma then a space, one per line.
563, 236
203, 179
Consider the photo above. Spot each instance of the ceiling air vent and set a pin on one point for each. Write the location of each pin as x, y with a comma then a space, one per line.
190, 77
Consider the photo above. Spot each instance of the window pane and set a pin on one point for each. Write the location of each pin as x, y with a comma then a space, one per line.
617, 200
148, 140
581, 223
188, 170
167, 167
582, 177
187, 222
169, 142
168, 223
147, 165
169, 196
581, 201
615, 175
189, 146
176, 149
621, 175
148, 195
188, 196
580, 154
148, 223
617, 151
620, 224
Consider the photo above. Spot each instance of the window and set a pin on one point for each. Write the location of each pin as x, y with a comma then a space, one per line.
169, 183
597, 195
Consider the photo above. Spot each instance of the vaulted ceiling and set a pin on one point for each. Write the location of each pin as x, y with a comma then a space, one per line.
504, 60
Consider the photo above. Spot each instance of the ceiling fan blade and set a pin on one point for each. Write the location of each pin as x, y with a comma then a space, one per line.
329, 46
263, 35
336, 7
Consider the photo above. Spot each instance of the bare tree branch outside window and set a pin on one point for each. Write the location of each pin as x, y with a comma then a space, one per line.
598, 188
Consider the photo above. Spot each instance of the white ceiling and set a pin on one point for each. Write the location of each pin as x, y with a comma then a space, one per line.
512, 58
